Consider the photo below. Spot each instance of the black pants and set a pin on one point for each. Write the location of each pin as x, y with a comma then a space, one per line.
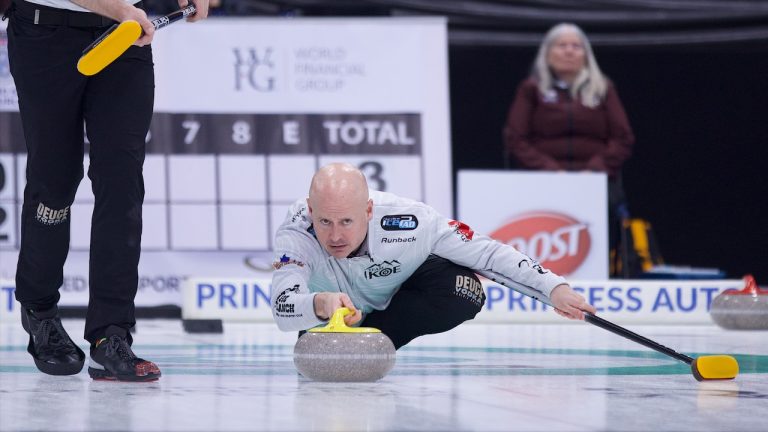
55, 101
439, 296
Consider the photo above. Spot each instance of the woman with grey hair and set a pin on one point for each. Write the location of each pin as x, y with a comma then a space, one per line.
567, 116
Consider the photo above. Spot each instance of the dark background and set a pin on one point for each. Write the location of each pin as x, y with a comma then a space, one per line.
698, 173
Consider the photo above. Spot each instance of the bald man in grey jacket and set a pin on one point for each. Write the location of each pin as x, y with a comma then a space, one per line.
396, 263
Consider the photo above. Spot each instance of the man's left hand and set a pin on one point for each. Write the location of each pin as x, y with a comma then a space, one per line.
200, 5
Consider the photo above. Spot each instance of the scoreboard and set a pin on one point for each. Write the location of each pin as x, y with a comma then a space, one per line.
246, 110
225, 181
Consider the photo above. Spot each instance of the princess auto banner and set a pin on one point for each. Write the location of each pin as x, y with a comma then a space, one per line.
246, 110
559, 219
625, 301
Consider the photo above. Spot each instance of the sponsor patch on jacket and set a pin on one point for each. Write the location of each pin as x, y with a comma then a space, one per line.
462, 230
384, 269
399, 222
284, 261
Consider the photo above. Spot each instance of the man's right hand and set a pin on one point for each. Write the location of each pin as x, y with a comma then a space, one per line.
569, 303
138, 15
326, 304
121, 11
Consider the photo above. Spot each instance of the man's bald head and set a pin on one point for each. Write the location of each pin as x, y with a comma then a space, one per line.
339, 208
339, 181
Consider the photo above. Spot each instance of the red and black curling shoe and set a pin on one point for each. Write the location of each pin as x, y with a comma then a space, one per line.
113, 359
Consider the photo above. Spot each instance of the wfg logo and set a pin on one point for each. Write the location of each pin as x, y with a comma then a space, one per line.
254, 68
559, 242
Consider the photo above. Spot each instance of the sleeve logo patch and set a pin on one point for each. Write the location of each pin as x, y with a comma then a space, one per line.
462, 230
284, 261
298, 215
282, 307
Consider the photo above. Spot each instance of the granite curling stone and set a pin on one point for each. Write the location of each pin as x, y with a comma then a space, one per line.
338, 353
746, 309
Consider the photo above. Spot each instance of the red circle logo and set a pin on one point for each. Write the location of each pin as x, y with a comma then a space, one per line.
559, 242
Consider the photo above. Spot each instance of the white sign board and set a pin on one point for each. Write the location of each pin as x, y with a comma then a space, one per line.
559, 219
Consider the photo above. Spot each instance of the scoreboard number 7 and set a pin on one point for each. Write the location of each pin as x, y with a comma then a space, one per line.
192, 126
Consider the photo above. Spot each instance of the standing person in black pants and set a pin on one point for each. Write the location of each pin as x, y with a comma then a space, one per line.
114, 106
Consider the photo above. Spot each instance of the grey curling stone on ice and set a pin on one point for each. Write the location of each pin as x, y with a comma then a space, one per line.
338, 353
746, 309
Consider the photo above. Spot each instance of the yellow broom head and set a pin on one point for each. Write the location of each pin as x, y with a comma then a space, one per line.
715, 367
108, 47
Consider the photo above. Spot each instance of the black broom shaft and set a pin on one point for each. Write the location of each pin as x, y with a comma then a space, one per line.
174, 16
621, 331
588, 317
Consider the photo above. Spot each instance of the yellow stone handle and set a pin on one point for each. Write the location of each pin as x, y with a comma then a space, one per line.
337, 325
337, 320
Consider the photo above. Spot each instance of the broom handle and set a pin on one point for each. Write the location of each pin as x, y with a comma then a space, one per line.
621, 331
588, 317
174, 16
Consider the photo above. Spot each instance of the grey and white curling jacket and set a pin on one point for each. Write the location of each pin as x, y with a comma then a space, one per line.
401, 235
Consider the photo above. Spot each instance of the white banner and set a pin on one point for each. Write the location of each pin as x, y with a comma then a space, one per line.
230, 299
621, 301
161, 274
559, 219
9, 307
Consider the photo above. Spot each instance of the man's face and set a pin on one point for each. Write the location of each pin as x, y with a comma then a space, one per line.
340, 225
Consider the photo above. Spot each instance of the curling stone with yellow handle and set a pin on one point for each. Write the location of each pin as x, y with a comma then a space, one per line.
339, 353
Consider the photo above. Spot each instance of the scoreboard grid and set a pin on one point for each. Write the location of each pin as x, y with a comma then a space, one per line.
223, 182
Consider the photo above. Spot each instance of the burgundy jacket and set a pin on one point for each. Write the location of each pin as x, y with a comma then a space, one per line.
554, 132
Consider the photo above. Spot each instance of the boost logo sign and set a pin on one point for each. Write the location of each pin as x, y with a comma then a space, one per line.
559, 242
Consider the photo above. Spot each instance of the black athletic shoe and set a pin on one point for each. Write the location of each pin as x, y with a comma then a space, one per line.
50, 345
112, 359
